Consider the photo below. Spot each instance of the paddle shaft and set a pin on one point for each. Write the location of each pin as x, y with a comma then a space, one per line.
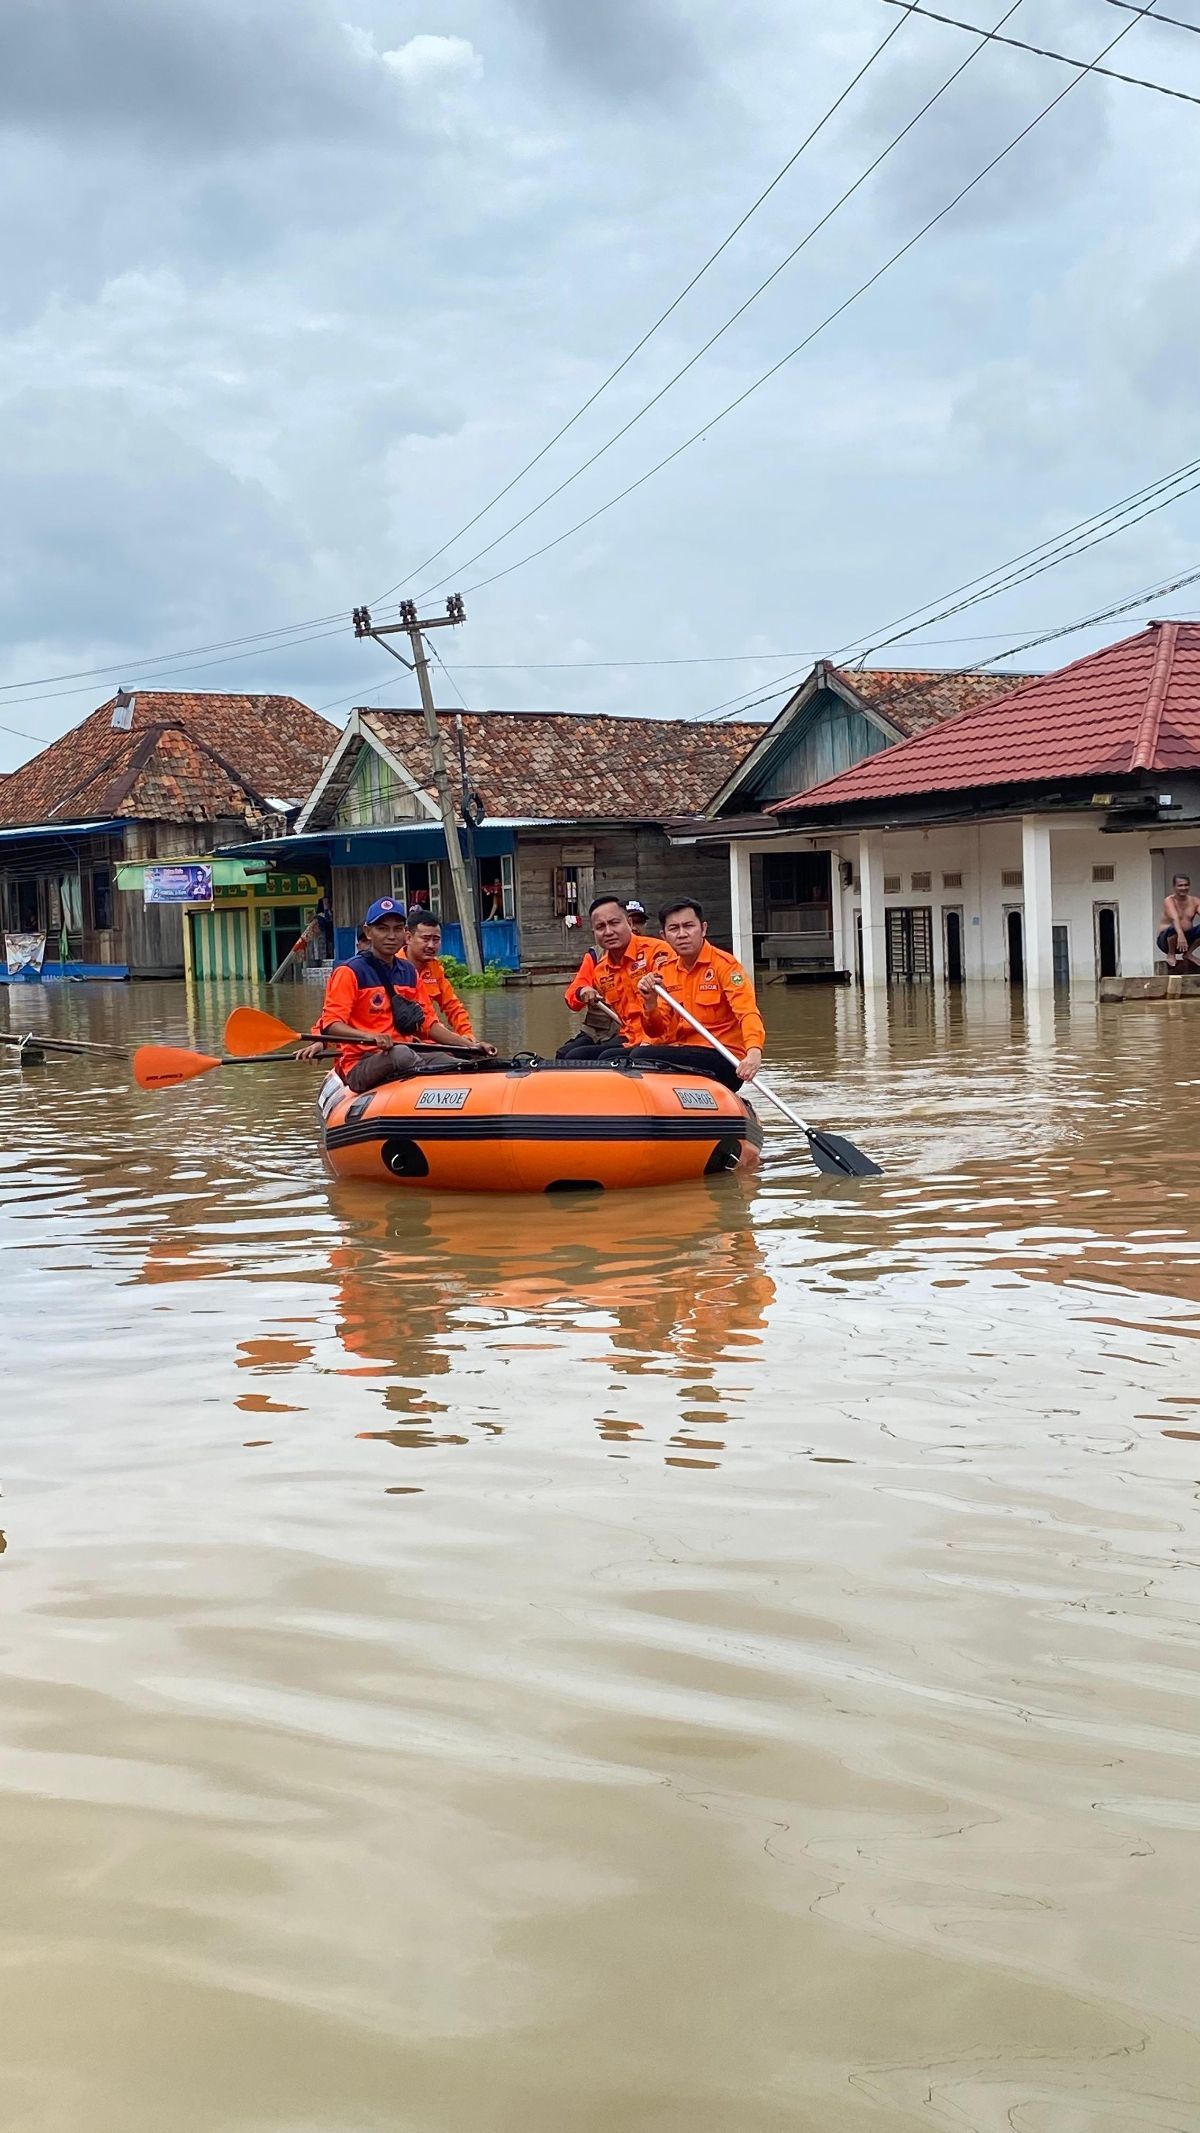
733, 1059
62, 1044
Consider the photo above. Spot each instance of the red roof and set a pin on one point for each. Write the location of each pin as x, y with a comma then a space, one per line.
189, 756
1132, 707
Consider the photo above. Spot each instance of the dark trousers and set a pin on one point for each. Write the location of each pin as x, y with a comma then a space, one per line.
398, 1064
1168, 944
684, 1058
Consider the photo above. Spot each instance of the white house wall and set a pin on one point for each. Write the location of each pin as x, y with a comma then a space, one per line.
982, 853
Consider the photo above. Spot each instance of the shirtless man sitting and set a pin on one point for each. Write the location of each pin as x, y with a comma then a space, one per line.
1180, 937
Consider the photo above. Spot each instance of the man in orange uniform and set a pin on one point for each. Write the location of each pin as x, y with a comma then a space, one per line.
424, 953
711, 984
379, 995
610, 978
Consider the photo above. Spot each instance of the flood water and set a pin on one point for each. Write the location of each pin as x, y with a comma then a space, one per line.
705, 1663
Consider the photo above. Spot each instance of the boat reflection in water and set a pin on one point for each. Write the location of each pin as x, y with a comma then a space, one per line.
661, 1292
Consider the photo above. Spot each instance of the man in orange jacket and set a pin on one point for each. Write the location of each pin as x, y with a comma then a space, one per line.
424, 953
708, 982
378, 995
610, 978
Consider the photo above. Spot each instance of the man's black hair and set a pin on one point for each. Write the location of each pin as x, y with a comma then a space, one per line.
421, 917
598, 902
684, 903
1182, 877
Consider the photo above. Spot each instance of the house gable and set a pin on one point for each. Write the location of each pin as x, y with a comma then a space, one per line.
824, 724
837, 719
364, 783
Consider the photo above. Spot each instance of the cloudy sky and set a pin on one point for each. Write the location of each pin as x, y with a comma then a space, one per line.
291, 289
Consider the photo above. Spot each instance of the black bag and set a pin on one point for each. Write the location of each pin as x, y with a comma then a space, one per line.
408, 1016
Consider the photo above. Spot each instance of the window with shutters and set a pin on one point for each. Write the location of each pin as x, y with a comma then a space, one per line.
1012, 878
922, 881
1101, 873
952, 881
891, 885
910, 942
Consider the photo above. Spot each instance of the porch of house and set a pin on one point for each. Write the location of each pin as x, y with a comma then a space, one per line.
1031, 901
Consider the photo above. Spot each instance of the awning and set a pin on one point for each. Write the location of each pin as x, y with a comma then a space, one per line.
71, 832
377, 845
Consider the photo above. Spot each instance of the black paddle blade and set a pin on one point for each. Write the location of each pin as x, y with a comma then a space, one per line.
840, 1158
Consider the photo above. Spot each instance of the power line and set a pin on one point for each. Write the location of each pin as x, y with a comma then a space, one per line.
829, 320
1088, 524
742, 308
139, 681
1132, 81
661, 320
1172, 20
143, 659
1051, 562
1029, 644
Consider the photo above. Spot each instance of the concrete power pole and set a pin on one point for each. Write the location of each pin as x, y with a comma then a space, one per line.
410, 626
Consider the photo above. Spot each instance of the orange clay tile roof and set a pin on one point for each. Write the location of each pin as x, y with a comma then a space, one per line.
1133, 707
189, 757
573, 766
914, 698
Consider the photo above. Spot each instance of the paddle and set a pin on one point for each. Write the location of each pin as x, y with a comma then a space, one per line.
249, 1033
61, 1044
838, 1157
167, 1066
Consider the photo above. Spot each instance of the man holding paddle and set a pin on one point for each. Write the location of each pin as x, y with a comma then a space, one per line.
606, 984
378, 995
712, 984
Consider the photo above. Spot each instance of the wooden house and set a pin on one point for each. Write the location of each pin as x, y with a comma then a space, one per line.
569, 804
161, 776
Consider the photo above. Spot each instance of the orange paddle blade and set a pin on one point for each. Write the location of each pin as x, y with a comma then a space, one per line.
249, 1030
165, 1066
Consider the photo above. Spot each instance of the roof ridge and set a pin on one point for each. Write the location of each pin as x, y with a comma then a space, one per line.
1146, 744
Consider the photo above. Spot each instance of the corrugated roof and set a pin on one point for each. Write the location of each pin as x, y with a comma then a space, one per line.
575, 767
188, 756
1134, 706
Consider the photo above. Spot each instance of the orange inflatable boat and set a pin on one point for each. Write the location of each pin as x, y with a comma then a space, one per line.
536, 1128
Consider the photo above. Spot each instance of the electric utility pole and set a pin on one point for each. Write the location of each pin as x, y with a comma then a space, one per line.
412, 628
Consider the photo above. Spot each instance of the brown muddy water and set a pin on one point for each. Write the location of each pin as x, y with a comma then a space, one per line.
704, 1664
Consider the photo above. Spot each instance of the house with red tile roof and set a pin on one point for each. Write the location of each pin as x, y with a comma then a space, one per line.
838, 717
162, 776
564, 804
1027, 839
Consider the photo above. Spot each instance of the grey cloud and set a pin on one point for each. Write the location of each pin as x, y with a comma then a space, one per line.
996, 97
188, 75
116, 526
620, 47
